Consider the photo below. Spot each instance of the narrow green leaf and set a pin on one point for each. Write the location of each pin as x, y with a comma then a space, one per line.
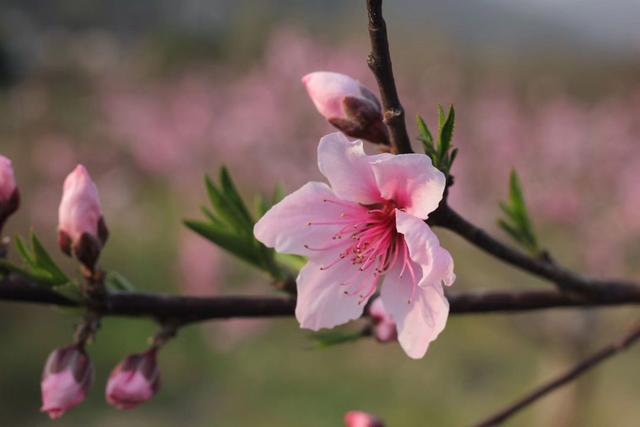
118, 282
231, 193
223, 238
44, 261
423, 129
69, 290
278, 194
331, 338
446, 131
25, 253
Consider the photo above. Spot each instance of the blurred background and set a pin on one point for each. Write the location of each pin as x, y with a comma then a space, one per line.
151, 95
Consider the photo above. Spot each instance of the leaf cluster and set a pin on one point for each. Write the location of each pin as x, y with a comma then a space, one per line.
516, 222
229, 223
41, 269
440, 151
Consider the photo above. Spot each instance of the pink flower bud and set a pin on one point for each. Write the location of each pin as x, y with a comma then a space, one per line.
384, 328
134, 381
9, 196
81, 226
361, 419
66, 380
347, 105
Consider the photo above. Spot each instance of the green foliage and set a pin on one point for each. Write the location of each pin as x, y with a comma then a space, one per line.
40, 267
441, 152
117, 282
516, 222
334, 337
229, 223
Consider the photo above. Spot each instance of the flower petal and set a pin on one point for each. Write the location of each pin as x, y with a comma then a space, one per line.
424, 249
286, 226
411, 181
419, 319
322, 302
347, 168
328, 89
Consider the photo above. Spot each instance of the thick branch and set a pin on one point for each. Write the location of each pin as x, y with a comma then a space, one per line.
579, 369
185, 309
379, 61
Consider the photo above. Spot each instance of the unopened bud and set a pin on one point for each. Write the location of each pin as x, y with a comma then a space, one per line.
384, 328
66, 380
134, 381
81, 227
347, 105
9, 195
361, 419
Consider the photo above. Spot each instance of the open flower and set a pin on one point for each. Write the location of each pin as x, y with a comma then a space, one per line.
365, 229
347, 105
81, 226
66, 380
134, 381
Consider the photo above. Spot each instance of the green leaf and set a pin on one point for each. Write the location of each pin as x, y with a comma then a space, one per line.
293, 262
446, 131
25, 253
231, 193
118, 282
335, 337
227, 240
69, 290
44, 262
517, 223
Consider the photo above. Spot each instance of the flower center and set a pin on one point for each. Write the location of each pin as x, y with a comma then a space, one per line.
369, 240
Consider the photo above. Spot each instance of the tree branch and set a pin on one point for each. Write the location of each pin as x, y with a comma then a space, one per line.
186, 309
379, 61
565, 279
590, 362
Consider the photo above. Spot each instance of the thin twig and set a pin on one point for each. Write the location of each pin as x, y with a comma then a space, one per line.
186, 309
379, 61
590, 362
565, 279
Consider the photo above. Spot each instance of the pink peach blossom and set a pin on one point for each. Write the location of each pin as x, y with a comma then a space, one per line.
134, 381
384, 328
9, 195
7, 180
81, 225
366, 228
346, 104
66, 380
361, 419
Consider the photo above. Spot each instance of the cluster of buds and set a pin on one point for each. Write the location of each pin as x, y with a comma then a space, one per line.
348, 105
82, 231
361, 419
9, 195
69, 374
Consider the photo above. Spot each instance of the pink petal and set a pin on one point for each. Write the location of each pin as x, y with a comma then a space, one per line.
286, 227
322, 302
7, 179
411, 181
79, 210
424, 249
347, 168
327, 90
61, 392
420, 317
